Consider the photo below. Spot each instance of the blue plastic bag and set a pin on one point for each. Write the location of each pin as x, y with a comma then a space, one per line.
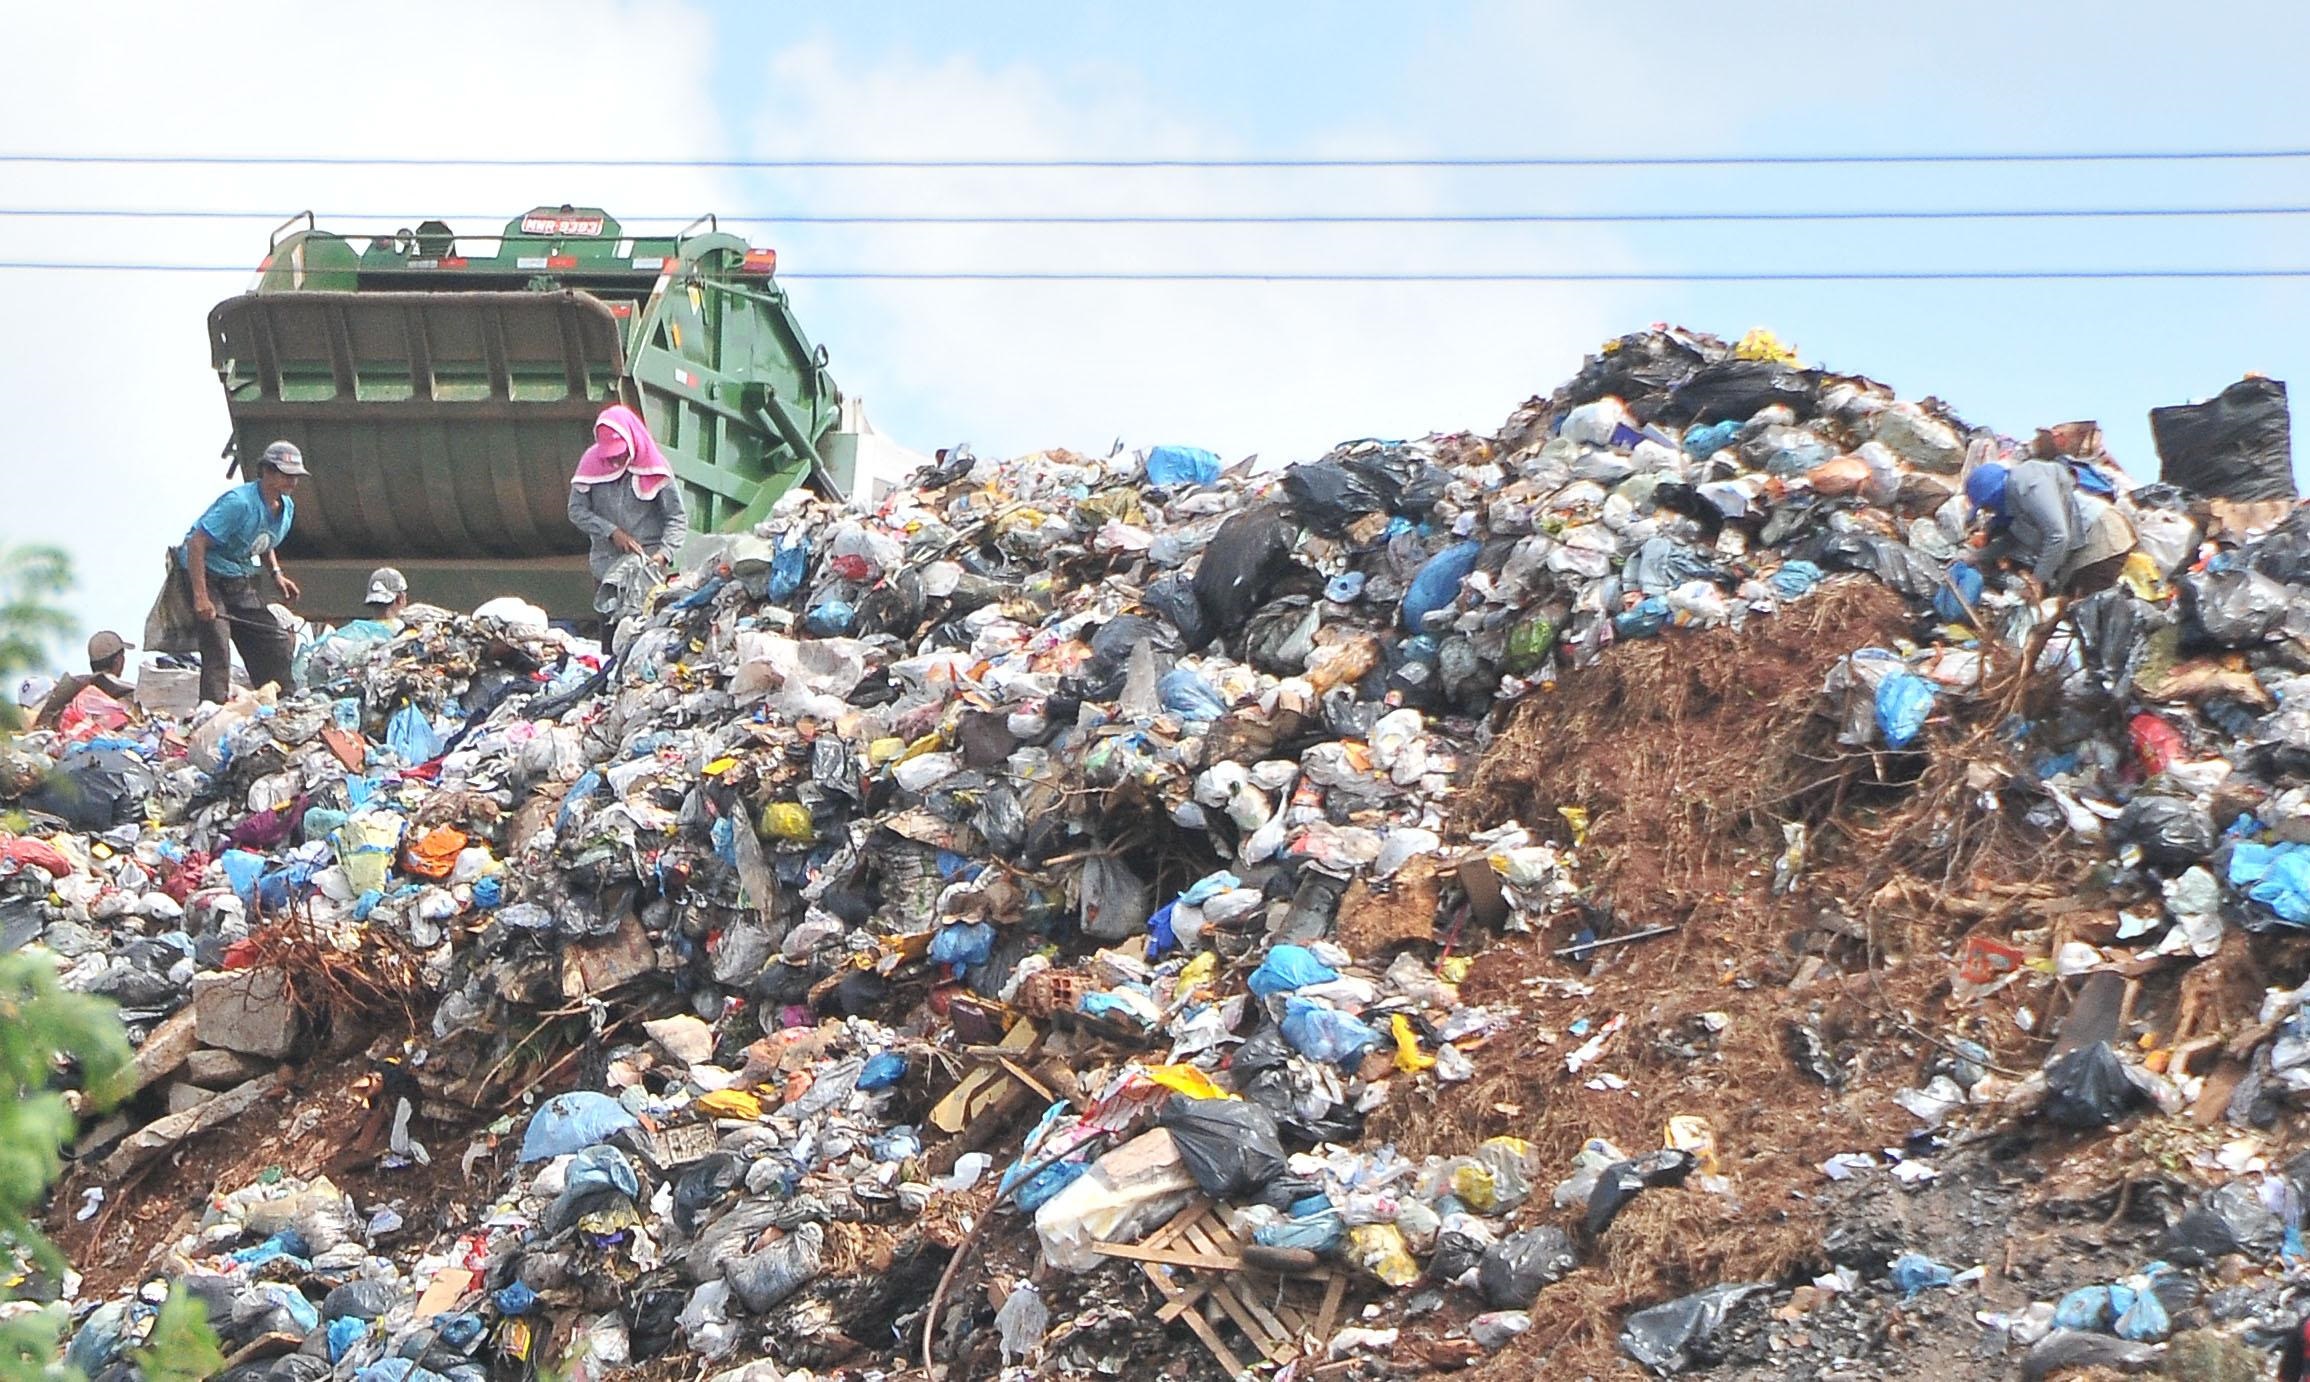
2144, 1321
599, 1168
1438, 583
1951, 604
1181, 465
411, 736
882, 1070
516, 1299
1161, 939
2285, 888
1317, 1232
1914, 1272
2086, 1308
1289, 967
1793, 580
1903, 702
964, 943
588, 783
1645, 621
1189, 697
789, 564
830, 619
1046, 1183
1326, 1034
569, 1123
242, 870
1712, 438
489, 892
345, 1332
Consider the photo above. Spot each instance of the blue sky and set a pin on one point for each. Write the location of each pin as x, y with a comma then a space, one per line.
120, 414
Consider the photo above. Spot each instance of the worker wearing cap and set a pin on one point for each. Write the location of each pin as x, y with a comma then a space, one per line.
382, 602
232, 544
107, 659
2069, 542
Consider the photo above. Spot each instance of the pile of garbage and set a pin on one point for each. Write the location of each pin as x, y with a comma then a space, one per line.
1064, 858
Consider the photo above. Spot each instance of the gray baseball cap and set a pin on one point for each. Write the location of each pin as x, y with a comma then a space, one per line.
285, 457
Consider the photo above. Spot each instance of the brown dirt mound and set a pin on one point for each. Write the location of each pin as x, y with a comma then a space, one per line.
1688, 754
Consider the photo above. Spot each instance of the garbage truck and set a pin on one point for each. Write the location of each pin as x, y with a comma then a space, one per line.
442, 385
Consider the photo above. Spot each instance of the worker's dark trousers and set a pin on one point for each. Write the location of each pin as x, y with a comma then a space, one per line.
243, 620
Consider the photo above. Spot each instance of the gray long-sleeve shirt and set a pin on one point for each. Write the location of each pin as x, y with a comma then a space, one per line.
2044, 524
659, 522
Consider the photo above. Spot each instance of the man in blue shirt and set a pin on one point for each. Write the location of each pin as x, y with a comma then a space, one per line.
237, 539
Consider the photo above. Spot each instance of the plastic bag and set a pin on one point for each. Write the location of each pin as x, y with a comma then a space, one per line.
1288, 967
1326, 1034
1173, 597
1125, 1193
1189, 697
2233, 608
1914, 1272
1438, 583
412, 737
2089, 1088
1669, 1336
1247, 556
94, 789
2237, 445
2231, 1219
1518, 1266
965, 944
1115, 901
2171, 831
1181, 465
1327, 496
570, 1123
1231, 1145
1381, 1250
761, 1280
1904, 701
1024, 1319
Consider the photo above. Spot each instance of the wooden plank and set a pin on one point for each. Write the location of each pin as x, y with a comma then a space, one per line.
1226, 1301
1169, 1257
1240, 1288
1333, 1294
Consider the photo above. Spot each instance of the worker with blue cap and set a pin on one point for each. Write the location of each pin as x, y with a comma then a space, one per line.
2069, 542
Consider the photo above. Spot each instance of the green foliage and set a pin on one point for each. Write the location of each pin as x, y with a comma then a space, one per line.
42, 1027
180, 1348
32, 577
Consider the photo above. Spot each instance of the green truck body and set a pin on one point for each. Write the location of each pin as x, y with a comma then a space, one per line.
441, 388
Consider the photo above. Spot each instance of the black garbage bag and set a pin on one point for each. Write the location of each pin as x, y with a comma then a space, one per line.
1231, 1146
1734, 390
2066, 1352
1173, 597
1516, 1267
2232, 608
1457, 1253
1405, 484
2236, 445
2173, 832
704, 1186
1621, 1181
2112, 624
1281, 635
1641, 366
1247, 556
361, 1300
2229, 1219
2089, 1088
1327, 496
1671, 1336
94, 790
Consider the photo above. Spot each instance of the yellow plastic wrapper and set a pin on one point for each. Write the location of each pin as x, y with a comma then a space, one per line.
1187, 1080
1456, 969
2141, 577
1198, 973
1474, 1186
720, 766
365, 846
1409, 1057
789, 821
1380, 1249
731, 1103
881, 751
1689, 1132
1762, 344
1577, 818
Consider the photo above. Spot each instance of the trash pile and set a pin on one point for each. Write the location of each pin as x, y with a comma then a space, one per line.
988, 930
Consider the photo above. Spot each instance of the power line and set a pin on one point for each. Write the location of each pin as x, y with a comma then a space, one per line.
1082, 164
1379, 276
1246, 219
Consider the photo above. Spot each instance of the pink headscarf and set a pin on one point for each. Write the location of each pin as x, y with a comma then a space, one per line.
639, 457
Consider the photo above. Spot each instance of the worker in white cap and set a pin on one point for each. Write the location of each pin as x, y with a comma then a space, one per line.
382, 603
107, 659
387, 596
238, 538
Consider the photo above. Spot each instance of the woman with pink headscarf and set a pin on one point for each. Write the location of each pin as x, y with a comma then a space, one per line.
623, 497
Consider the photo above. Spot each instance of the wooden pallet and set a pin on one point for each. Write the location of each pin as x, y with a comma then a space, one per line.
1195, 1261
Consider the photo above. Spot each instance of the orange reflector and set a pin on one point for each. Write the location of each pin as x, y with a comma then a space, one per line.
759, 262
